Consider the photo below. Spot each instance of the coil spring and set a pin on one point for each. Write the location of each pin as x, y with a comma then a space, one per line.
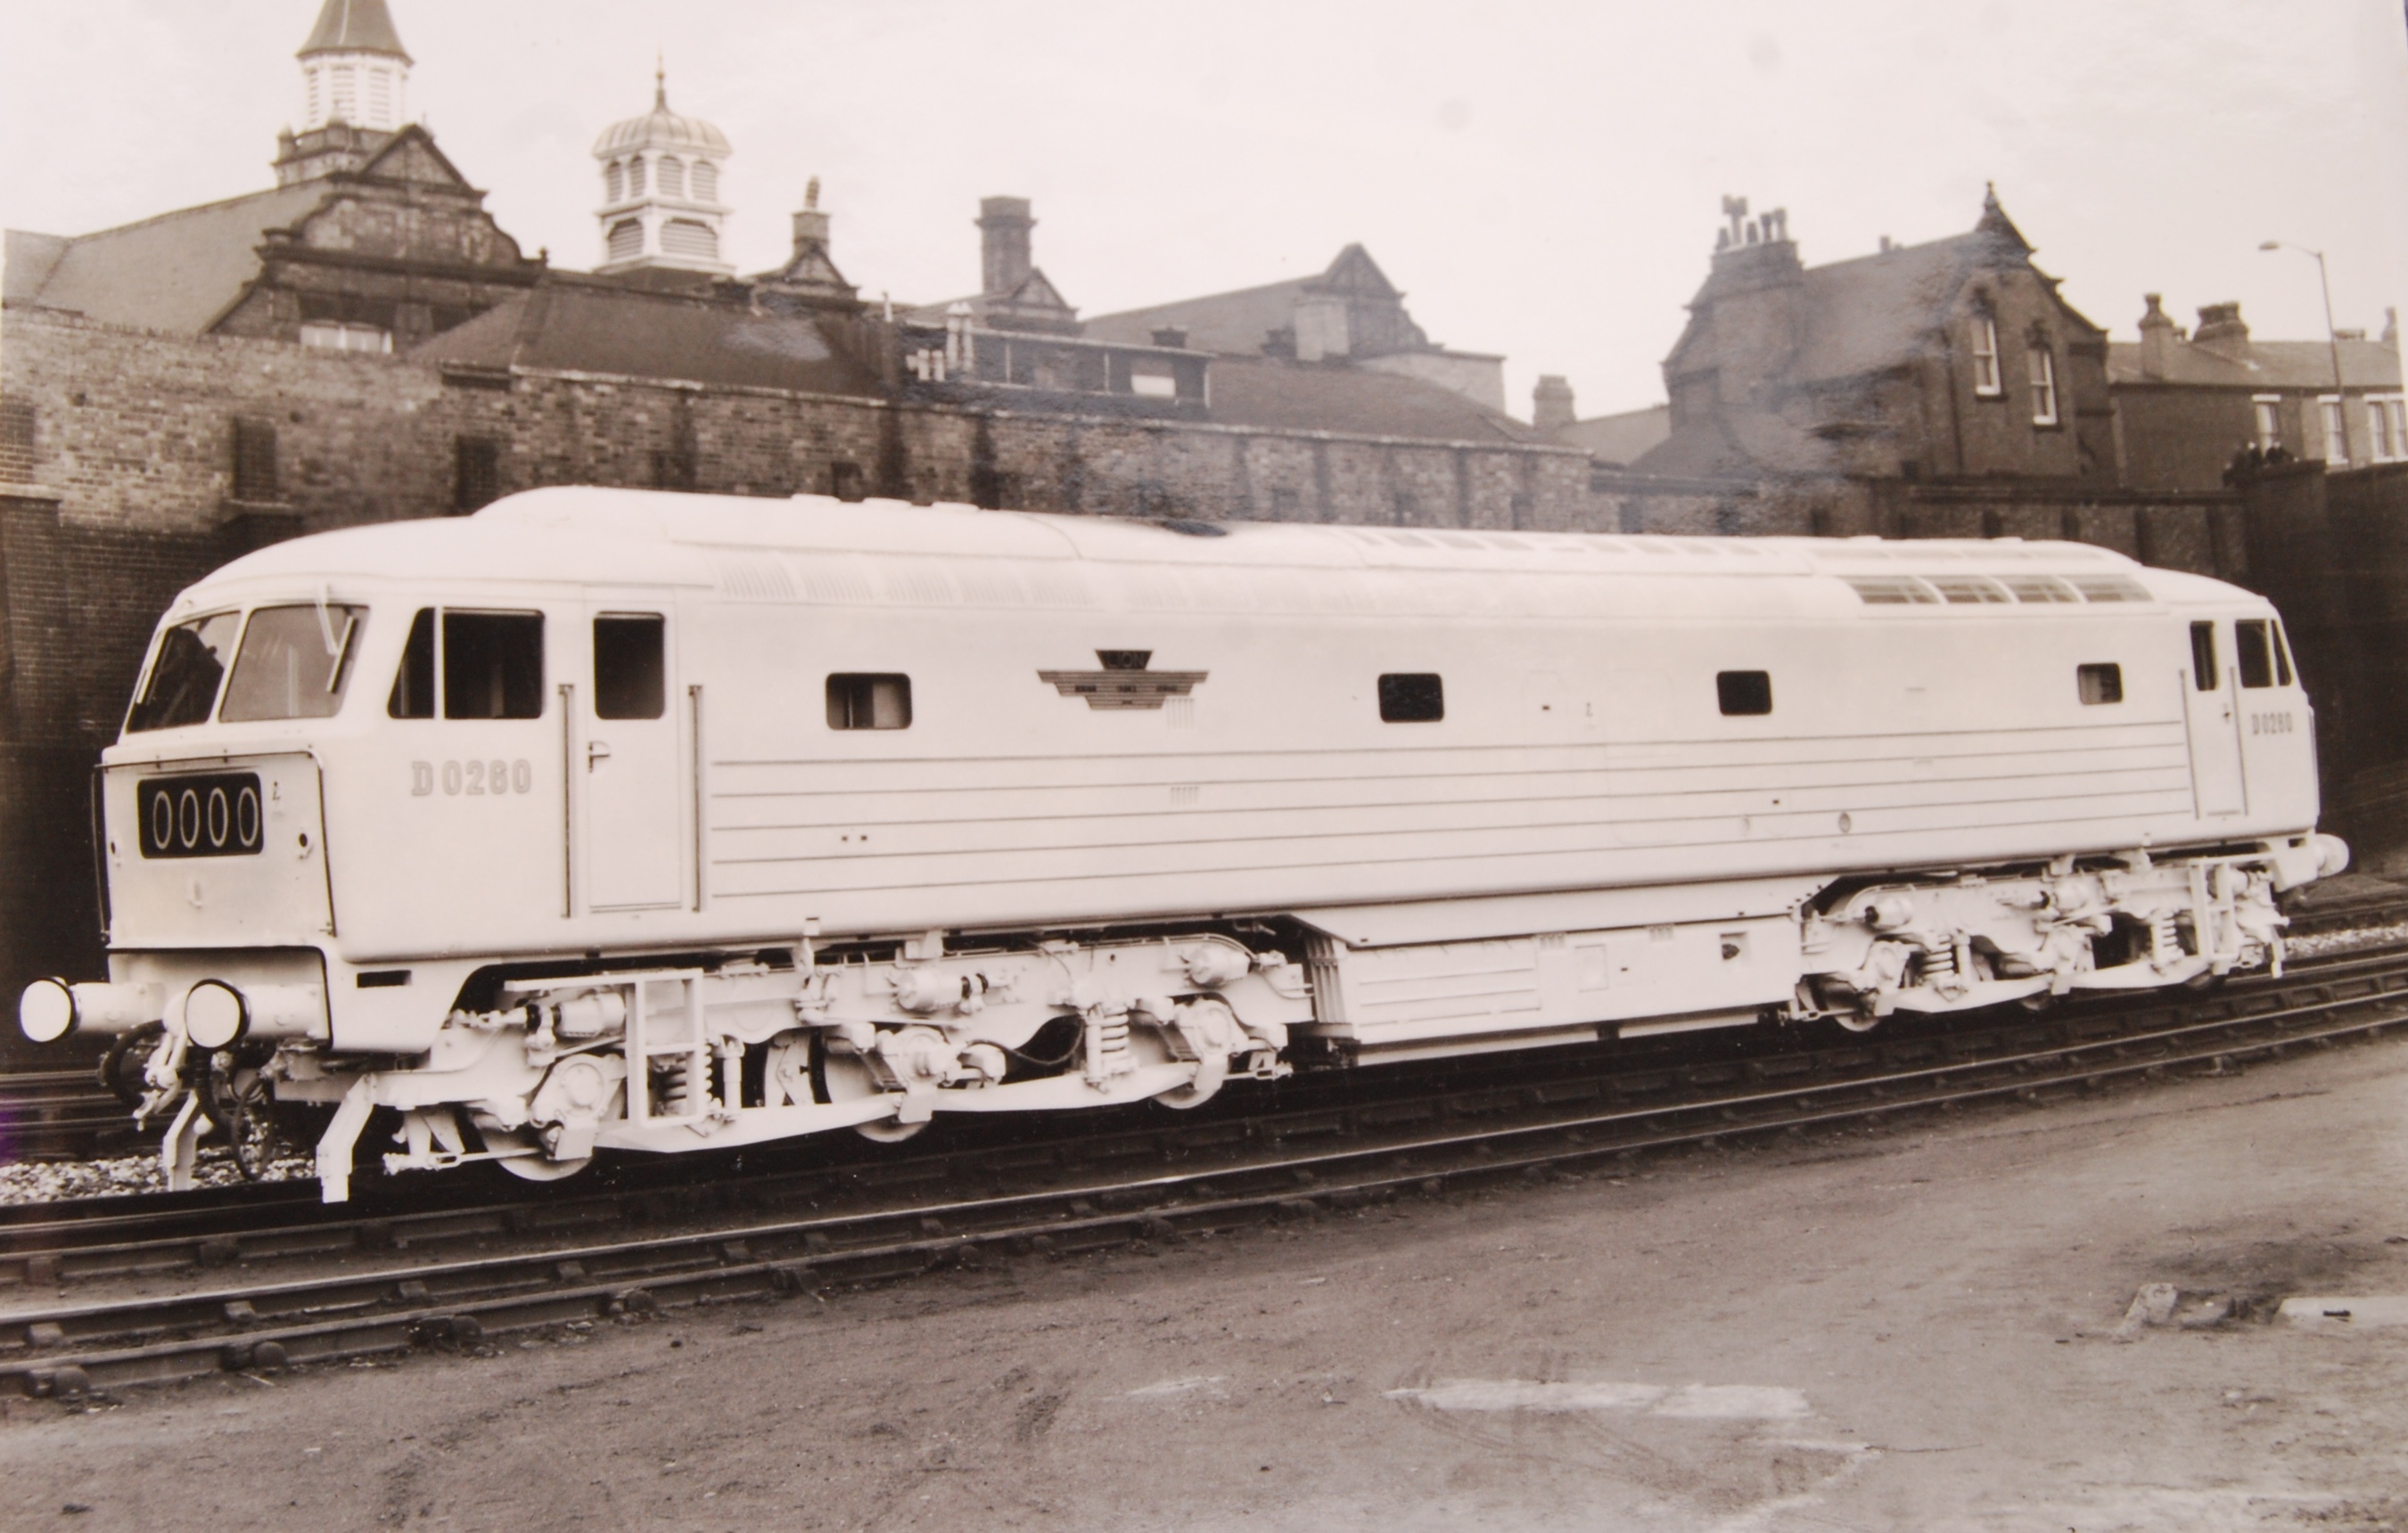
1112, 1035
2165, 938
670, 1088
1938, 963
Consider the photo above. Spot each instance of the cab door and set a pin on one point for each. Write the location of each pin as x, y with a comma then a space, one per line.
629, 759
2208, 705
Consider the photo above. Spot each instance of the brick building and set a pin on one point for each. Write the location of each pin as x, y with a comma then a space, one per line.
363, 343
2188, 401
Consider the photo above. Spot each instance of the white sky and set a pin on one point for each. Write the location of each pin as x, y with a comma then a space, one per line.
1544, 180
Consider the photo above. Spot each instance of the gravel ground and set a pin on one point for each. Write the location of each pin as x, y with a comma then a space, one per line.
43, 1182
1914, 1329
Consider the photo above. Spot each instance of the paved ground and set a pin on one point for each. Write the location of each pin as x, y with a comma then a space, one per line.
1908, 1330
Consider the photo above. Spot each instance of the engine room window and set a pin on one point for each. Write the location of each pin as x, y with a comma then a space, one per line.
1411, 698
629, 680
2038, 587
492, 664
2100, 684
184, 679
2255, 651
869, 702
2204, 673
293, 664
414, 685
1743, 693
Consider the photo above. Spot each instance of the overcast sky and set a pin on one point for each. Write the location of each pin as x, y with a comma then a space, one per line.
1542, 180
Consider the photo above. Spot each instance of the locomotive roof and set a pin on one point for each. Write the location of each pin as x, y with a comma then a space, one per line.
766, 549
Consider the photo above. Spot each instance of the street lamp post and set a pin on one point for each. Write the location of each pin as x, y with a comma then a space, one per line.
2332, 337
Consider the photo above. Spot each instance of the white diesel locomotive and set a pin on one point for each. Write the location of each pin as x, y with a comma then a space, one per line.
605, 818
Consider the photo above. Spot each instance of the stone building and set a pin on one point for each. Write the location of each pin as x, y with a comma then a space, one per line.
1940, 389
2188, 402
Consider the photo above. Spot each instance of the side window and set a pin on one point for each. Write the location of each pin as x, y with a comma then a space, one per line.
414, 685
2255, 651
492, 664
1743, 693
2204, 674
2099, 684
630, 678
1411, 698
869, 702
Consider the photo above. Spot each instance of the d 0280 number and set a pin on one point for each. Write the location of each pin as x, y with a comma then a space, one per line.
471, 779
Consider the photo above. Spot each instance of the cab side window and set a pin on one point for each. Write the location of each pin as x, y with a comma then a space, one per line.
2255, 650
414, 685
2204, 674
492, 664
630, 670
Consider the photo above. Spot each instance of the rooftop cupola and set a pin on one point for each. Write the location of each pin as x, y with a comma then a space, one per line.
353, 68
660, 191
355, 90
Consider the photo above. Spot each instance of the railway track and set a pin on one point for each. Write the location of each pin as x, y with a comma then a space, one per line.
881, 1221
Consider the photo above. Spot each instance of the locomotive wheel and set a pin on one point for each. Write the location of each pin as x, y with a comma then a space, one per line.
128, 1056
534, 1167
844, 1078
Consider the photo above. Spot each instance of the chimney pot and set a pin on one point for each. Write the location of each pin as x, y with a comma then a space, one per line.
1003, 225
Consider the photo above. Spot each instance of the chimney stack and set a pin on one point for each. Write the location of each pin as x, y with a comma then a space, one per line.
1003, 242
810, 224
1551, 404
2157, 337
2220, 322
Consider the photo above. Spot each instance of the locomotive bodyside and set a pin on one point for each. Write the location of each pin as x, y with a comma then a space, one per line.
664, 821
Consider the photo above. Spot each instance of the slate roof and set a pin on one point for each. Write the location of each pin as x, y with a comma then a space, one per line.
2267, 365
582, 324
179, 271
1232, 323
1304, 396
1621, 437
354, 26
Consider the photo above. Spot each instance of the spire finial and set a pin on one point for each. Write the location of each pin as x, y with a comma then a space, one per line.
660, 82
812, 194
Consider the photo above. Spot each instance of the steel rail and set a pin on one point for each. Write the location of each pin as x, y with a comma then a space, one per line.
225, 1227
70, 1350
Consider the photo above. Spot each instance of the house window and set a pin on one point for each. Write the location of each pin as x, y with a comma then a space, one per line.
17, 440
1985, 357
614, 181
2384, 430
2099, 684
2044, 385
475, 471
2336, 432
254, 460
343, 108
869, 702
1743, 693
636, 177
672, 177
2270, 421
626, 240
845, 482
705, 182
1411, 699
335, 335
